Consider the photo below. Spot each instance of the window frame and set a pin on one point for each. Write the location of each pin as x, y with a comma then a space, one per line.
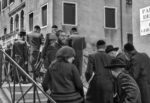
111, 7
46, 4
76, 12
29, 21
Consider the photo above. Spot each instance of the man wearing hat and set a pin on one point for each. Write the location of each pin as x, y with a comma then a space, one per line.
114, 52
140, 70
101, 87
52, 44
20, 55
127, 88
110, 50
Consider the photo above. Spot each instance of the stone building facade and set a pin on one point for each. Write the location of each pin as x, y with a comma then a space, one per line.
110, 20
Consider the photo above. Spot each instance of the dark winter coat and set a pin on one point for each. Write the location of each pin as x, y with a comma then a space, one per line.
128, 90
140, 69
35, 40
63, 79
49, 52
78, 44
20, 55
20, 51
101, 87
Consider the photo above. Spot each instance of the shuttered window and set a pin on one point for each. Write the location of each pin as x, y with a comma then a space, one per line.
11, 24
30, 21
110, 17
44, 15
130, 38
69, 13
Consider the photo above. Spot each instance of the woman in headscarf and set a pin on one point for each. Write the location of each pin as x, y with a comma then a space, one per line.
63, 78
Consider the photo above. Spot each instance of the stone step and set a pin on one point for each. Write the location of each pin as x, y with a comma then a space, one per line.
37, 101
29, 95
24, 87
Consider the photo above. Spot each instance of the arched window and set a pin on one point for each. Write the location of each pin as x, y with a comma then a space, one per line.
22, 20
17, 22
11, 24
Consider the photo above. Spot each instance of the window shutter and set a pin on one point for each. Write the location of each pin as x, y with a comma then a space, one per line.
31, 22
44, 15
69, 14
110, 18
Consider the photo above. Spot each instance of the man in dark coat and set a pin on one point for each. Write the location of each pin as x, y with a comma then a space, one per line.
77, 42
35, 40
115, 53
52, 46
140, 70
101, 87
20, 55
127, 88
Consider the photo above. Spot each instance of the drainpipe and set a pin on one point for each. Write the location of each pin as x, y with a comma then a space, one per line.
121, 29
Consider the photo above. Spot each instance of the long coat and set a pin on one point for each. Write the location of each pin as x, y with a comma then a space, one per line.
49, 52
128, 90
140, 69
20, 55
63, 79
78, 43
101, 87
35, 40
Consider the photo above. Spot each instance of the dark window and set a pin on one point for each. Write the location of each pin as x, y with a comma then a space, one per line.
69, 13
17, 22
44, 15
4, 4
10, 1
22, 20
110, 18
11, 24
31, 22
5, 30
130, 38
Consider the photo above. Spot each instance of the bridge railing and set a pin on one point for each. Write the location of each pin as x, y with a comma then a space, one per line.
19, 69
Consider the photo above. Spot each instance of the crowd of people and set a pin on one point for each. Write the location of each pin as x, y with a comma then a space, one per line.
113, 75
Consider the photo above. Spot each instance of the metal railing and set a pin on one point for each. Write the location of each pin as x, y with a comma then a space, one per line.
18, 67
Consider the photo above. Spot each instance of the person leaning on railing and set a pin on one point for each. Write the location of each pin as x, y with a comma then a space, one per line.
63, 78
